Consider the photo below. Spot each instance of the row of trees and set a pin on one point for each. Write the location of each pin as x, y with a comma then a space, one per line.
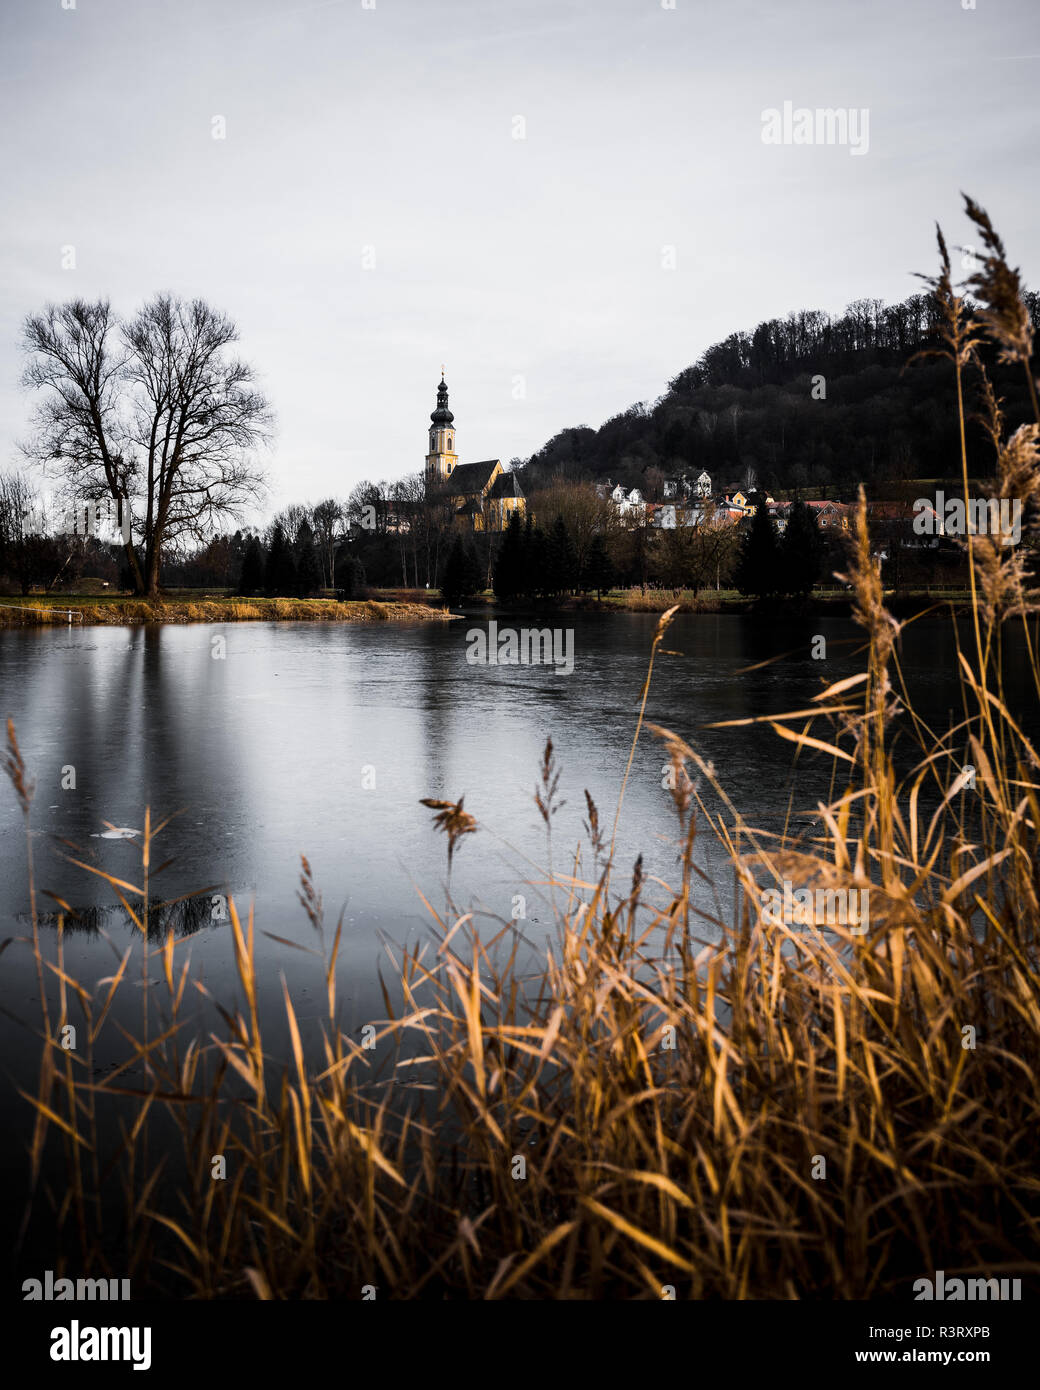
285, 565
315, 549
769, 565
533, 563
584, 548
536, 563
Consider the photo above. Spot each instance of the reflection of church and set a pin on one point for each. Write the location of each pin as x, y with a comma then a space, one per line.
483, 493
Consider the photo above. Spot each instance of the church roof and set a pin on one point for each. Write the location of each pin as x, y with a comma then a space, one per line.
507, 485
471, 477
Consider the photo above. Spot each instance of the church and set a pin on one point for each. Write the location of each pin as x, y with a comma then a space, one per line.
483, 494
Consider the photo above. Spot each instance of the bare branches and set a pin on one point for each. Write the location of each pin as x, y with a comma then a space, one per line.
153, 412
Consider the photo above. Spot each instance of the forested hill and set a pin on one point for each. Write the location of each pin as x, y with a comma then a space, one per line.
747, 406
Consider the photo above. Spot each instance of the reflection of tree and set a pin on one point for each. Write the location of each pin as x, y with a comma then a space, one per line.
184, 916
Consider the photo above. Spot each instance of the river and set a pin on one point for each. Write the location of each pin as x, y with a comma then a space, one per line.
273, 740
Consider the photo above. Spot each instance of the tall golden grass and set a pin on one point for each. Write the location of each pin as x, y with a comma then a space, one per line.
674, 1104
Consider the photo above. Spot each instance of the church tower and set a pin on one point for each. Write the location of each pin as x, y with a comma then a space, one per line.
442, 459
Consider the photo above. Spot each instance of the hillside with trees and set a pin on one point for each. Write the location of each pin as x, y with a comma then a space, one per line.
807, 402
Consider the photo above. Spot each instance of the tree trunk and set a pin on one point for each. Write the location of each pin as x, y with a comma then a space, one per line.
152, 578
135, 569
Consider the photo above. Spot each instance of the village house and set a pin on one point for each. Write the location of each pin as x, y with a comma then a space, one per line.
895, 521
831, 516
700, 488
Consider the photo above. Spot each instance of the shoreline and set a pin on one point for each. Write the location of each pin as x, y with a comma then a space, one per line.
37, 611
732, 605
41, 610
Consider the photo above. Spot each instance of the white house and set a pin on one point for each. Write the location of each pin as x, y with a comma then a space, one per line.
626, 502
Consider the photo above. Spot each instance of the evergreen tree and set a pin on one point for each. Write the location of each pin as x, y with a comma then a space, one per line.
801, 552
527, 583
279, 569
308, 564
599, 572
508, 580
462, 575
350, 574
537, 563
758, 565
476, 570
252, 576
563, 574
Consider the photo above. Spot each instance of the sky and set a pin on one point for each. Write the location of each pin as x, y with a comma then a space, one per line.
563, 201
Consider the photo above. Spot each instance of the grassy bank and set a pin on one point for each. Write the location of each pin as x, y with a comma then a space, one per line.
37, 610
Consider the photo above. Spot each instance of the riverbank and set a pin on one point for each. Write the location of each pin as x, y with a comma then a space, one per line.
39, 610
825, 602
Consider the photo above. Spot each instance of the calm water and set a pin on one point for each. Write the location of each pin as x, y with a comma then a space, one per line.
272, 751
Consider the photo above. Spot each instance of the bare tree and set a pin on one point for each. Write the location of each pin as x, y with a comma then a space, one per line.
153, 413
654, 479
585, 513
368, 507
18, 501
291, 519
327, 519
408, 504
28, 552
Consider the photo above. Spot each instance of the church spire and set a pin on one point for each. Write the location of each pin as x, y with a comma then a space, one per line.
442, 458
442, 415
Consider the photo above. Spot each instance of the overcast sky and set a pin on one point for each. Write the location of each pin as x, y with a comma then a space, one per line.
534, 268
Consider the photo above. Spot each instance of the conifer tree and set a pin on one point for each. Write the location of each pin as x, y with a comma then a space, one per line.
599, 572
279, 569
758, 564
349, 573
537, 563
527, 584
801, 552
308, 564
562, 559
462, 574
508, 578
252, 576
476, 570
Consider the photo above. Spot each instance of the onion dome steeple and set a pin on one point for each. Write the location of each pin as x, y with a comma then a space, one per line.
442, 458
442, 415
